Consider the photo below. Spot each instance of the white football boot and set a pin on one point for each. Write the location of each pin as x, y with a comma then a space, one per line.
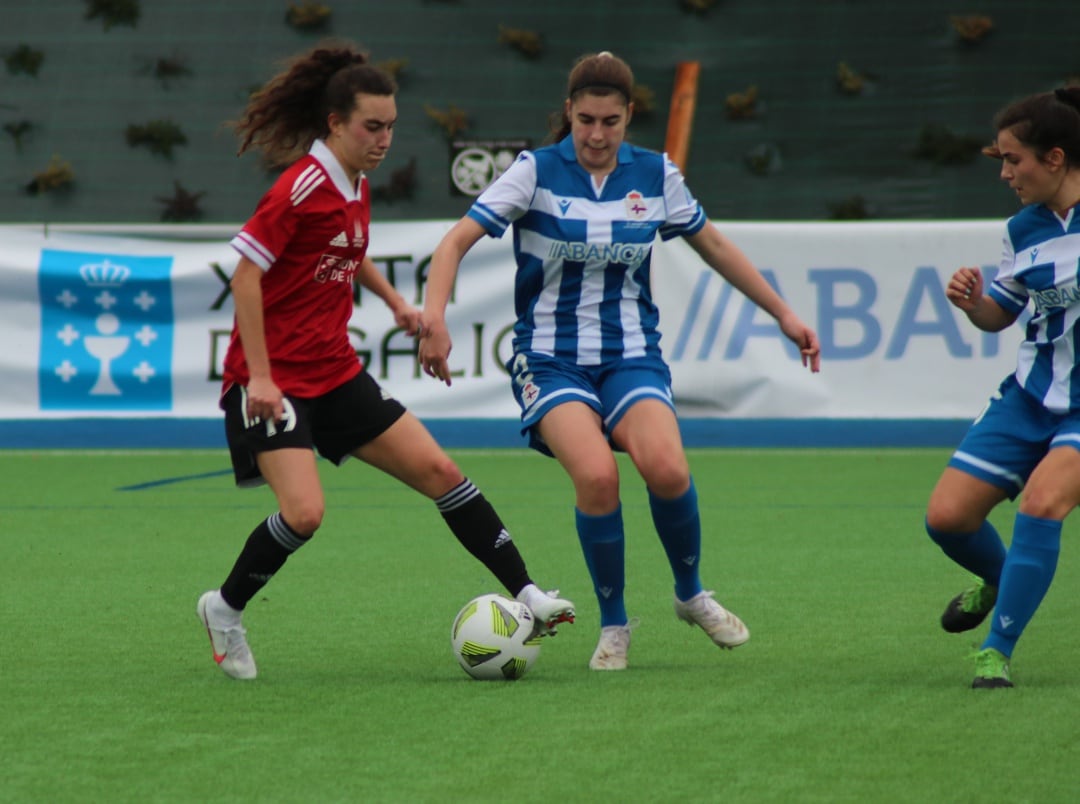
611, 650
547, 607
723, 627
227, 636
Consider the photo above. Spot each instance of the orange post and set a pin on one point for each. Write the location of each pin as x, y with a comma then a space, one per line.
681, 116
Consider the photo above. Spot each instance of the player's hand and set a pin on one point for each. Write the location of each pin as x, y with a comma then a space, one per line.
408, 318
265, 402
805, 338
434, 349
965, 289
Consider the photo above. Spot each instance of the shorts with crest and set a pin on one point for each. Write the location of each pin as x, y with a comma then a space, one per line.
335, 424
542, 382
1011, 436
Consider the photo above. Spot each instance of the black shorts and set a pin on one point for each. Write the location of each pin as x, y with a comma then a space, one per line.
335, 424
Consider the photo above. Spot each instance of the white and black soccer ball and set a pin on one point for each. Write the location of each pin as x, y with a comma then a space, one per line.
493, 638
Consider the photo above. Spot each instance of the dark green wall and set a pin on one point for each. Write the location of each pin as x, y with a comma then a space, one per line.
833, 148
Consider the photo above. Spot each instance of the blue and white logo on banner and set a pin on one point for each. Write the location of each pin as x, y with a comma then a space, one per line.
106, 331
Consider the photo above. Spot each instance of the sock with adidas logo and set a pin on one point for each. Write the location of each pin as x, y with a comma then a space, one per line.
264, 553
478, 527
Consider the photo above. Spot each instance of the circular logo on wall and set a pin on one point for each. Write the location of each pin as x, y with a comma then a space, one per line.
476, 164
472, 170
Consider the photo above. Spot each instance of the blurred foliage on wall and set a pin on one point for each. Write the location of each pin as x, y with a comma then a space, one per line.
806, 111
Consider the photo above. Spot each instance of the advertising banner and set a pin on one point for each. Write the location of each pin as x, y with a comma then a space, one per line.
134, 322
892, 345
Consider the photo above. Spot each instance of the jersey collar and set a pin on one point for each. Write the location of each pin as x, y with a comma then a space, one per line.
335, 171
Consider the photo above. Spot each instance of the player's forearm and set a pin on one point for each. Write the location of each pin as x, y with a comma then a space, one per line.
250, 322
989, 316
440, 280
745, 278
732, 264
445, 262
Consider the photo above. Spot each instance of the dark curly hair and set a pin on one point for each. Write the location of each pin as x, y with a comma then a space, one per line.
290, 111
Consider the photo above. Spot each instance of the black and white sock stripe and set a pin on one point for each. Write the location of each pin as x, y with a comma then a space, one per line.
283, 534
458, 496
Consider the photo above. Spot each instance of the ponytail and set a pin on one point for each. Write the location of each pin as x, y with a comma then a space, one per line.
1070, 96
290, 111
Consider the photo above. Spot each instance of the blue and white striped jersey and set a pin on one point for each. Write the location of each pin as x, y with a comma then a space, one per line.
582, 289
1041, 262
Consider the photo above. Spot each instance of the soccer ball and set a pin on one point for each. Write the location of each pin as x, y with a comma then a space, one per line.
493, 638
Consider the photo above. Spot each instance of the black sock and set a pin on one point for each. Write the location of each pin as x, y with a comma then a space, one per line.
479, 529
266, 550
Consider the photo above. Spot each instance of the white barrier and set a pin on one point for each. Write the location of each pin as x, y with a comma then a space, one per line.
132, 322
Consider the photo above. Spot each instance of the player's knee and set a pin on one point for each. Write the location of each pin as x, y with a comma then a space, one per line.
443, 473
597, 489
667, 477
949, 517
305, 519
1045, 503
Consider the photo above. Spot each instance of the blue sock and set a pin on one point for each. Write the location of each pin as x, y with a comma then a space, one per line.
679, 526
1029, 569
604, 546
981, 553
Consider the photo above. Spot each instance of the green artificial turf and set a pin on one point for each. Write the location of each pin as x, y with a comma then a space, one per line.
848, 690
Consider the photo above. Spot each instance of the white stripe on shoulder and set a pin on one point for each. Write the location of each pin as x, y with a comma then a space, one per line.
310, 178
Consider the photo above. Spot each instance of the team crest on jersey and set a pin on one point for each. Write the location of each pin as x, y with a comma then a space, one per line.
530, 392
335, 269
635, 205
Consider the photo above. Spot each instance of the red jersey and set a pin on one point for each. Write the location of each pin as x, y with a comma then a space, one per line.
309, 234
